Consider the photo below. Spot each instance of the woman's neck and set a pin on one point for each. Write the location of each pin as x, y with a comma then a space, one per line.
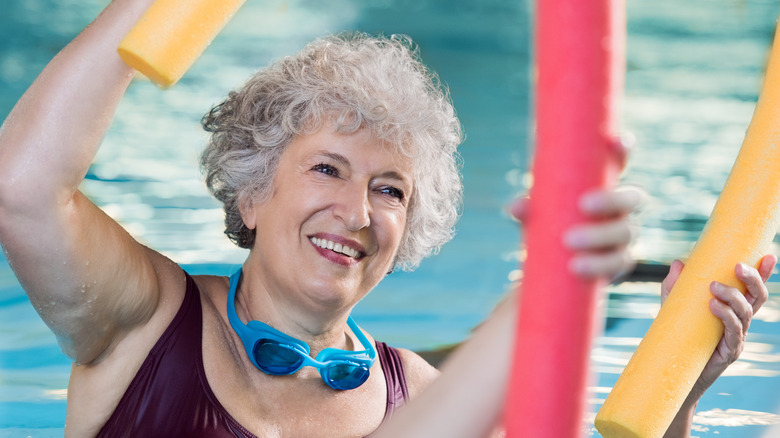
290, 313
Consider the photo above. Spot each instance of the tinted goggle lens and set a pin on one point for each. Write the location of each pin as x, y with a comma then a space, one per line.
275, 358
278, 359
345, 375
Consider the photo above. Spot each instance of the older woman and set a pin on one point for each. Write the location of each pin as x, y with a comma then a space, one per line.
335, 166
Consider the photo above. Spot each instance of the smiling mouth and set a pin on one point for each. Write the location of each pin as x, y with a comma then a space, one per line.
336, 247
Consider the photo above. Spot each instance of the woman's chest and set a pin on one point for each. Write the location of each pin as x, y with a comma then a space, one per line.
294, 406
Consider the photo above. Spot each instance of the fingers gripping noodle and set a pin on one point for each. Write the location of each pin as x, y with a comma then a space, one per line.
580, 64
684, 335
172, 34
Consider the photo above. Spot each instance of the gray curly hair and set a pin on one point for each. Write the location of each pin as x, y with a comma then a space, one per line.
360, 82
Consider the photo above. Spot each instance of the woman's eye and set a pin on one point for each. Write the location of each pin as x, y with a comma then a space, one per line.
327, 169
392, 191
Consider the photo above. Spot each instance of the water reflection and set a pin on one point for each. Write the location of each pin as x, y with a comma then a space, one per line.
733, 418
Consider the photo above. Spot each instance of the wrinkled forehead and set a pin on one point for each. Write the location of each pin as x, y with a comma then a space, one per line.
394, 139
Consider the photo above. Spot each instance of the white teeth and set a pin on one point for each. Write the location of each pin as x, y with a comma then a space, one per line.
335, 247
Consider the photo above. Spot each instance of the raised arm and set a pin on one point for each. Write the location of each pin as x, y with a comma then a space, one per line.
87, 278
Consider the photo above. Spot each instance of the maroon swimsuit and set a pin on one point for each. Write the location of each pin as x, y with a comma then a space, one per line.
170, 396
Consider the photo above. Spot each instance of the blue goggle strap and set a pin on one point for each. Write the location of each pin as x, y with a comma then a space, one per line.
248, 337
367, 356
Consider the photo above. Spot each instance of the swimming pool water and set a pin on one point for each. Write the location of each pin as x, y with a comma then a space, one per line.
694, 72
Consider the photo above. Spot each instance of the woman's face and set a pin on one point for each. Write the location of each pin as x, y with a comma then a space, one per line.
335, 218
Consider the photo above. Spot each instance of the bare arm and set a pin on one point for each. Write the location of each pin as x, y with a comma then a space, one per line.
88, 279
467, 399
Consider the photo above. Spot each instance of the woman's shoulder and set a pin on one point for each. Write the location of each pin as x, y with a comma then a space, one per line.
419, 373
213, 290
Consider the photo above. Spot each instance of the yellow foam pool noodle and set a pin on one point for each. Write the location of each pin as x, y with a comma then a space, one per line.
680, 341
172, 34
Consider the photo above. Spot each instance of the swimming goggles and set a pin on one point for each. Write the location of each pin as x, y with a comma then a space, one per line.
276, 353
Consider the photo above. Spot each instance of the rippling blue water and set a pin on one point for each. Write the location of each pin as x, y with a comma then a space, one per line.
694, 72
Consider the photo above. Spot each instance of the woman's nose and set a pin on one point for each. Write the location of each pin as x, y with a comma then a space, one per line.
353, 208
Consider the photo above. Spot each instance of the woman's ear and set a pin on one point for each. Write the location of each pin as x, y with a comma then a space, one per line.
246, 206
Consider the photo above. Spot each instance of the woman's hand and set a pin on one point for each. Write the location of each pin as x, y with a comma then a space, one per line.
601, 245
734, 309
736, 312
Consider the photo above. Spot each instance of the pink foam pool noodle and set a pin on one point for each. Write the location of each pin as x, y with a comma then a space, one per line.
580, 68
